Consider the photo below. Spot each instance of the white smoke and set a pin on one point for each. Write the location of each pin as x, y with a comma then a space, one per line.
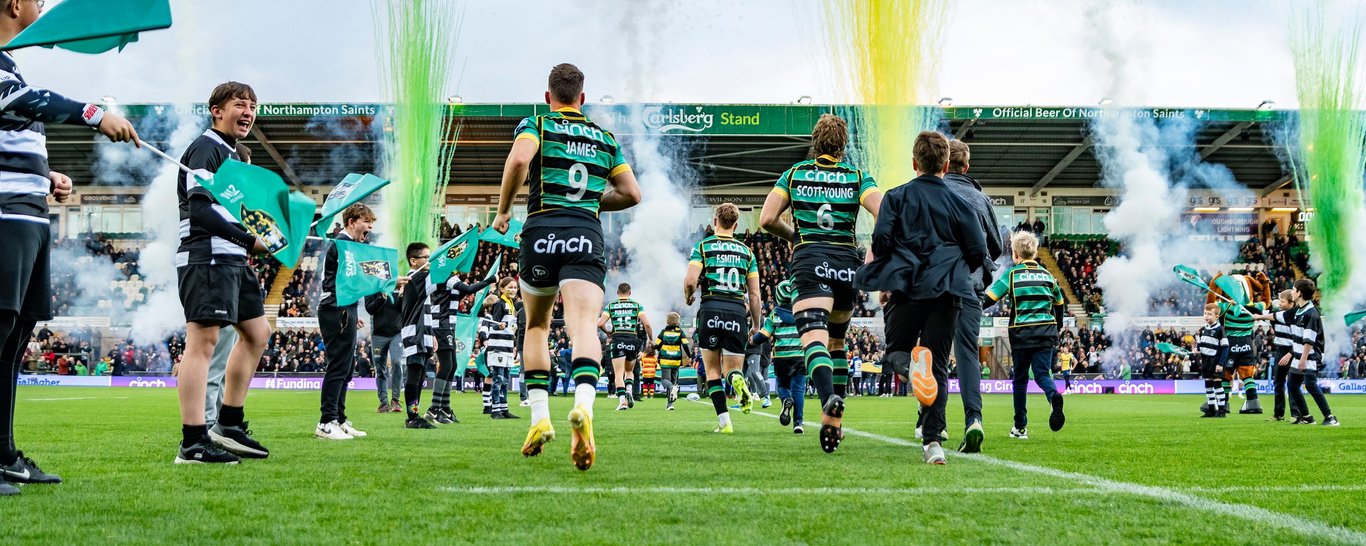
1152, 163
655, 238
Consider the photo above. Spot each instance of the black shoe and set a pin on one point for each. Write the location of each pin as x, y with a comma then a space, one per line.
1209, 413
1221, 414
797, 428
507, 415
785, 417
497, 415
1330, 421
1056, 419
450, 416
418, 422
630, 401
831, 435
25, 471
488, 410
238, 441
7, 490
205, 453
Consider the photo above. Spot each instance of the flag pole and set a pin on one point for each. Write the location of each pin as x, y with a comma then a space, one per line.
165, 156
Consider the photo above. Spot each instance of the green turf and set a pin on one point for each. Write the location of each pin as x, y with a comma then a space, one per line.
761, 486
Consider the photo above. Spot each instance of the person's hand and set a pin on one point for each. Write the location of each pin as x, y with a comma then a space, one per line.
60, 186
884, 297
360, 324
753, 331
500, 222
118, 129
868, 257
1285, 360
259, 247
1218, 369
688, 298
402, 282
1303, 362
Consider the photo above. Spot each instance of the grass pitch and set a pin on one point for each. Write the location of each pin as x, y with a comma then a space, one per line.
1126, 469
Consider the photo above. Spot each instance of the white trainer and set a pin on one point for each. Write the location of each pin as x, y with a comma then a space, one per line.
331, 431
348, 428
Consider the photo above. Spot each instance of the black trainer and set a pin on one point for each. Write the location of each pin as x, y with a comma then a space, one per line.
509, 415
450, 416
418, 422
785, 416
7, 490
205, 453
831, 435
25, 471
238, 441
1056, 419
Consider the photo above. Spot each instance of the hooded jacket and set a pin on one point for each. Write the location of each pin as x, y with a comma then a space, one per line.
925, 243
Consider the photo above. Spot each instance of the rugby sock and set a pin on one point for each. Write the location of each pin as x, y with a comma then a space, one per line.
441, 387
841, 372
717, 395
1209, 395
1218, 395
230, 416
189, 435
1226, 388
630, 386
585, 372
440, 394
412, 388
1250, 387
821, 369
538, 393
488, 396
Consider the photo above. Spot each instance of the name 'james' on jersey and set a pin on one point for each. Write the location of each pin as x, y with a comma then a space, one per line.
576, 160
826, 195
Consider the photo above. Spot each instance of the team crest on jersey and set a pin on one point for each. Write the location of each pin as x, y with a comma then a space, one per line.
265, 228
377, 268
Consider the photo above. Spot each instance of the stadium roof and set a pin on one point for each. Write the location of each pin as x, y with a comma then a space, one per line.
729, 145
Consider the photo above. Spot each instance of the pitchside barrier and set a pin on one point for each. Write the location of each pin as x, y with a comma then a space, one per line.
989, 386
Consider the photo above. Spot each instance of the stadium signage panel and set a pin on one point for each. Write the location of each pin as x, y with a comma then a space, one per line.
299, 323
1222, 226
71, 323
63, 381
1085, 200
1088, 113
110, 199
1081, 386
1197, 198
736, 199
1002, 200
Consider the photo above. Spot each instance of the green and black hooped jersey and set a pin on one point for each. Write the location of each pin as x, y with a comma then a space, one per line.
727, 265
1239, 323
1033, 294
624, 316
787, 343
576, 159
826, 195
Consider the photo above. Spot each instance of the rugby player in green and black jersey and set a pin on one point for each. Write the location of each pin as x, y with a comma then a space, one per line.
825, 194
723, 270
575, 170
627, 321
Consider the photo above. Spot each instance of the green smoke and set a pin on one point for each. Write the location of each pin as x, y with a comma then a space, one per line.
416, 39
1325, 49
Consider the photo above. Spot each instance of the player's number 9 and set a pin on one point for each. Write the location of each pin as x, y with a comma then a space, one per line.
578, 179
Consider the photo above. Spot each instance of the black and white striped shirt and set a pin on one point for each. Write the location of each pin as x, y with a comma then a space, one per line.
1308, 332
1283, 331
24, 183
1212, 344
205, 240
498, 328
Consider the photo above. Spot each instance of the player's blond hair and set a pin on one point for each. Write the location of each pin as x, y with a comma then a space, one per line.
673, 318
1025, 245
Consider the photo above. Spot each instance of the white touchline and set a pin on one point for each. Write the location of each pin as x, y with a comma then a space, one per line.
550, 489
1252, 513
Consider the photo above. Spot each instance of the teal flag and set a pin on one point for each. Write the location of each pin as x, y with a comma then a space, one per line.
363, 270
467, 327
94, 26
1233, 288
1351, 318
349, 191
506, 239
262, 202
1172, 349
456, 256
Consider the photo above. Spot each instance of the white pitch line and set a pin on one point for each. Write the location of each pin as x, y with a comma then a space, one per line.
778, 491
1251, 513
76, 398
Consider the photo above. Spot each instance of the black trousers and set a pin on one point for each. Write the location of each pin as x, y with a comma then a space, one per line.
930, 324
338, 326
1278, 377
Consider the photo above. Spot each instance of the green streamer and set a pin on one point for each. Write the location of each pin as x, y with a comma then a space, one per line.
416, 39
1325, 50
